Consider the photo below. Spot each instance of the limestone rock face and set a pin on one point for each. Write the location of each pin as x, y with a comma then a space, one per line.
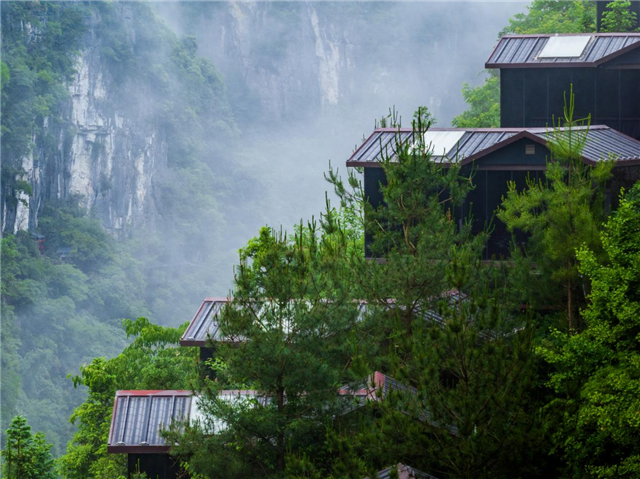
106, 153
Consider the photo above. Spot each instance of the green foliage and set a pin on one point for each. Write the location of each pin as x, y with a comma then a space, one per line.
484, 104
67, 225
153, 360
294, 315
551, 16
59, 310
424, 116
58, 314
472, 373
54, 318
595, 373
26, 455
619, 18
563, 212
543, 16
39, 44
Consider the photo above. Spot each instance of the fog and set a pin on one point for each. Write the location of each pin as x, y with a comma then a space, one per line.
174, 167
307, 80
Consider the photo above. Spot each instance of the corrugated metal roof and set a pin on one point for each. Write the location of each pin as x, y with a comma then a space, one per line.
515, 51
404, 472
139, 416
602, 142
204, 325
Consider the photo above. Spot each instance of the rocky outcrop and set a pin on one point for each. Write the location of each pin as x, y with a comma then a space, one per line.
105, 153
297, 61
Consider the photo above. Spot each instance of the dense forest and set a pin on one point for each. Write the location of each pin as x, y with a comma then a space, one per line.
508, 385
131, 177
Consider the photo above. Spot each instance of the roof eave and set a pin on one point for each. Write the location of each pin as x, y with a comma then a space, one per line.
138, 449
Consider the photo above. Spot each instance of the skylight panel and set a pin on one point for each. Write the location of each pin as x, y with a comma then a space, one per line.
442, 142
565, 46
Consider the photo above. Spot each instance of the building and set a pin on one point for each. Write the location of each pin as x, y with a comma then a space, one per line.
495, 156
136, 424
402, 471
537, 70
204, 331
140, 417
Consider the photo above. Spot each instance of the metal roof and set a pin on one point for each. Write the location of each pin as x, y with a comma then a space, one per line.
204, 326
521, 51
602, 141
139, 416
403, 472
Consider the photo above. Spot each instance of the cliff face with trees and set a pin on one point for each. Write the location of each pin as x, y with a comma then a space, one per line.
92, 94
113, 133
137, 165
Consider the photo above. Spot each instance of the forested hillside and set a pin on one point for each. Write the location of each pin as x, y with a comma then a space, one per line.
133, 170
145, 146
113, 141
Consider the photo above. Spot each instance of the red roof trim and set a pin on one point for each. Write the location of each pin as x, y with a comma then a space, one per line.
540, 129
586, 34
371, 135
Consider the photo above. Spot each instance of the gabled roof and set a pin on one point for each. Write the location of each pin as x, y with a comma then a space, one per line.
522, 51
602, 141
204, 325
403, 472
139, 416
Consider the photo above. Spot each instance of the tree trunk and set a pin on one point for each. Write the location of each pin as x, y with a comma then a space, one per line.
281, 445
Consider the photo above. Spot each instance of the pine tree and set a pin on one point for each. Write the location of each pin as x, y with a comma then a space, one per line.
446, 327
563, 212
595, 373
292, 318
26, 455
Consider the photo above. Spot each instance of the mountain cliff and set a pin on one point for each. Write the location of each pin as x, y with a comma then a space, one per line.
101, 120
144, 143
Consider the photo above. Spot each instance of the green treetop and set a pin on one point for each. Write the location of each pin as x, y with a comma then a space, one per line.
151, 361
292, 317
432, 308
562, 212
26, 455
595, 373
619, 18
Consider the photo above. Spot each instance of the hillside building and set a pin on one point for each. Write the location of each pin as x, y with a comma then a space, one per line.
535, 73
